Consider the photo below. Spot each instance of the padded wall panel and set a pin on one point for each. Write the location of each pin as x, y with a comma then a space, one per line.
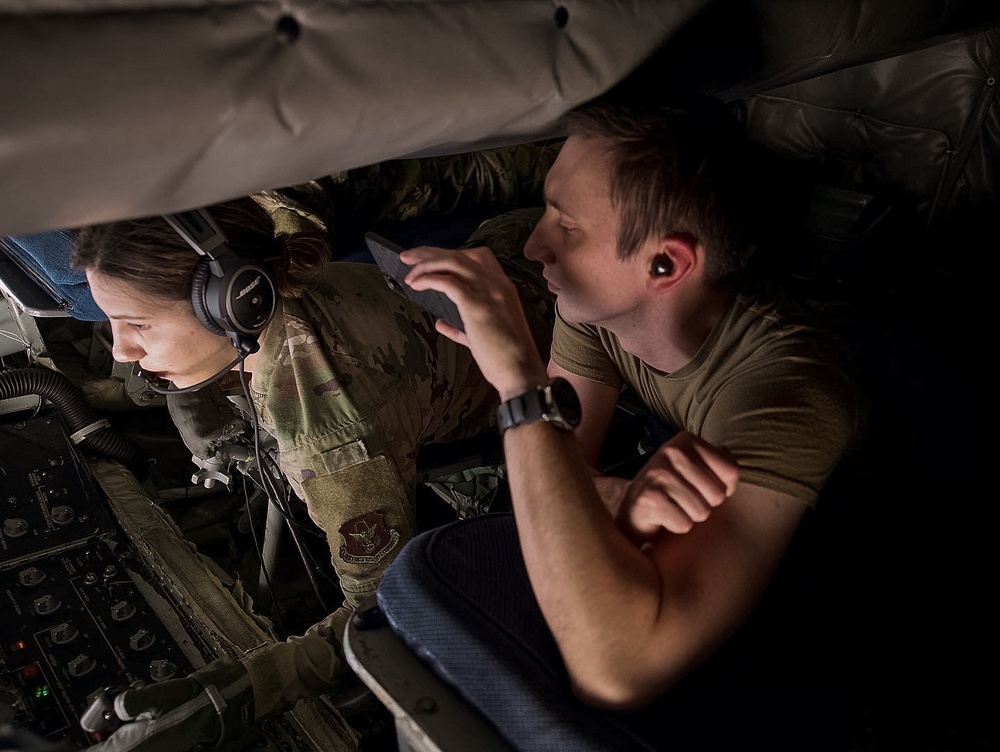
736, 48
974, 191
910, 127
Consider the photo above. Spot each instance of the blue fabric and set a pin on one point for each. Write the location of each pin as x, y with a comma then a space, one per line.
459, 596
47, 255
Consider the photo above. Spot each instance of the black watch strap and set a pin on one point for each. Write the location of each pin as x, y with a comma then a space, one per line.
555, 403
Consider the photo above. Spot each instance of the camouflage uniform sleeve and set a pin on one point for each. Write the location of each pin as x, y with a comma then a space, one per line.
397, 190
302, 666
339, 461
345, 471
351, 382
505, 177
506, 235
356, 387
291, 214
367, 515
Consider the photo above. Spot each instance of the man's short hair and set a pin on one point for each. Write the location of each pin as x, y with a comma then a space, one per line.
677, 170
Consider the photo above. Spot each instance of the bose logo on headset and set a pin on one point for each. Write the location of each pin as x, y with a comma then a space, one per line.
222, 283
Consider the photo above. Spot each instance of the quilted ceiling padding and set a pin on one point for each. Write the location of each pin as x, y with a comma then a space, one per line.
120, 108
117, 108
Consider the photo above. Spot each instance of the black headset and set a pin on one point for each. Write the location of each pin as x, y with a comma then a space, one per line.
230, 296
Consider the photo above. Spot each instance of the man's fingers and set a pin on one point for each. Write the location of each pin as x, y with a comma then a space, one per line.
680, 485
686, 478
709, 469
456, 335
430, 260
663, 486
461, 289
722, 466
652, 512
717, 461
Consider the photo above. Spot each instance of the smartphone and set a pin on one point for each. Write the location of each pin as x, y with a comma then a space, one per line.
386, 254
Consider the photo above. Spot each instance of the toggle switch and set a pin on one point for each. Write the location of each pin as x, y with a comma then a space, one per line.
142, 640
31, 576
63, 514
81, 665
64, 633
46, 605
161, 670
15, 527
122, 611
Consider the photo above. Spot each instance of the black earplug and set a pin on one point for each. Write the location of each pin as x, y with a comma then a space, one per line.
661, 266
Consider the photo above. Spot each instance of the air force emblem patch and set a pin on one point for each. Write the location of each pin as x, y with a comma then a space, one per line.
367, 540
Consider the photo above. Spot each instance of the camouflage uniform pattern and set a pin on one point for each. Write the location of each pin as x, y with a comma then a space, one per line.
497, 180
352, 379
506, 235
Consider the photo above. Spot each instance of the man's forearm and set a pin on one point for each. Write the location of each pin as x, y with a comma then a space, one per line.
611, 490
597, 591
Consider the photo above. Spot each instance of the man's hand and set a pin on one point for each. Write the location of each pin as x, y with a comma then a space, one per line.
496, 330
212, 704
680, 485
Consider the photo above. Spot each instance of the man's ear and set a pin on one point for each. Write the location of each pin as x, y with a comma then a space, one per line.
671, 260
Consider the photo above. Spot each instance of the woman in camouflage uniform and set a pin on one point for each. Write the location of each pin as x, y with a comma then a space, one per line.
351, 379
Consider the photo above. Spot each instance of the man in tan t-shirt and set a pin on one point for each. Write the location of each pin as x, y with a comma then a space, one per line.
645, 241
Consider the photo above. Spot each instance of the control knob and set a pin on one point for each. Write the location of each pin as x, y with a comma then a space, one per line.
31, 576
81, 665
64, 633
47, 604
15, 527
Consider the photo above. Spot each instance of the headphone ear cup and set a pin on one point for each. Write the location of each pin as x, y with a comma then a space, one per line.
199, 285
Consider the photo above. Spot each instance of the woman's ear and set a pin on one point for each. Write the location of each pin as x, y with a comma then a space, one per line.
671, 260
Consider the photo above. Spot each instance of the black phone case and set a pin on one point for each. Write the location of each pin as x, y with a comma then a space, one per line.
386, 254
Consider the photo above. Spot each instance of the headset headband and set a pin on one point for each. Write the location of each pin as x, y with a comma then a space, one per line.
200, 231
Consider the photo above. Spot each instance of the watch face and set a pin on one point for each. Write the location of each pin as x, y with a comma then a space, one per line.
568, 403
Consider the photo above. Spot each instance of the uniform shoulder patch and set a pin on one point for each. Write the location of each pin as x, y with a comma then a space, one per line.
367, 539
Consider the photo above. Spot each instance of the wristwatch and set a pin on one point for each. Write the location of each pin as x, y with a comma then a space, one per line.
555, 403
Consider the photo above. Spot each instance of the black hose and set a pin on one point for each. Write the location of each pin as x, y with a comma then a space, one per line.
78, 414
